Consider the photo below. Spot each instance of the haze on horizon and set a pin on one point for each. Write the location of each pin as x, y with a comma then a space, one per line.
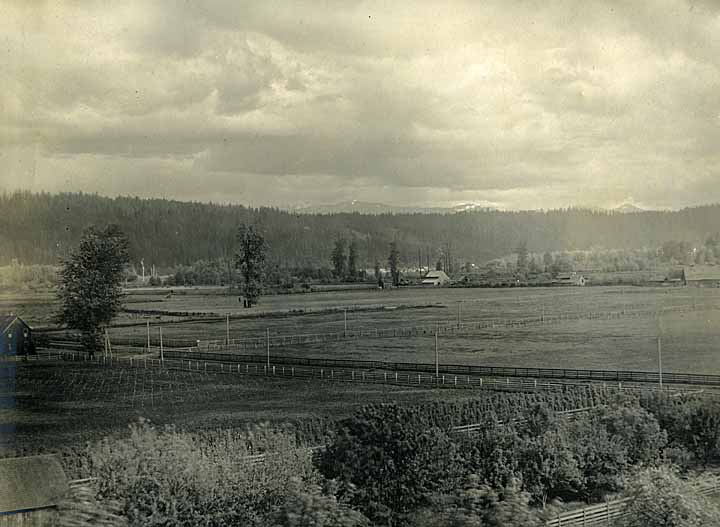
520, 105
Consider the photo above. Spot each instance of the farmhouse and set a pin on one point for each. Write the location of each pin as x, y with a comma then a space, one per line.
570, 279
15, 336
701, 275
435, 278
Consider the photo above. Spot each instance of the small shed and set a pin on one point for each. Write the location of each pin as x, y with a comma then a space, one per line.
435, 278
570, 279
15, 336
701, 275
30, 490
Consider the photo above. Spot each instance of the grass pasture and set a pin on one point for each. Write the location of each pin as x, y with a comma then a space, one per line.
688, 338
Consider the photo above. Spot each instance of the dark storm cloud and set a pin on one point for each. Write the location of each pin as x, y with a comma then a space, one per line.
524, 104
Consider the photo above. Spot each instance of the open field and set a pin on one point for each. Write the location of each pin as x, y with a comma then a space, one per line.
76, 402
629, 342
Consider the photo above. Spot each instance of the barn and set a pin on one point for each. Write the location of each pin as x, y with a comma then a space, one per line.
435, 278
570, 279
16, 336
30, 490
701, 275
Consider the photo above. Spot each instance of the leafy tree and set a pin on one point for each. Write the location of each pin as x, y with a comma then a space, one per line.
701, 429
637, 430
394, 263
439, 265
387, 461
90, 291
338, 259
522, 258
477, 505
602, 458
308, 506
353, 260
659, 498
250, 261
548, 467
377, 271
548, 261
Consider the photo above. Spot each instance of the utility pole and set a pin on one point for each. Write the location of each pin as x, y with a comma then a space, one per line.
437, 355
227, 330
162, 357
345, 314
148, 336
267, 342
458, 318
659, 349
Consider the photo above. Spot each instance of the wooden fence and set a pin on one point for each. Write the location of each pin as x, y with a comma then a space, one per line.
606, 514
446, 328
564, 374
308, 372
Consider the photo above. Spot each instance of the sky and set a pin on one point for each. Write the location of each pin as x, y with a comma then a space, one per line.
515, 105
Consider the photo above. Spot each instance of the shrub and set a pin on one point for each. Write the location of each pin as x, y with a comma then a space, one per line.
171, 478
388, 462
659, 498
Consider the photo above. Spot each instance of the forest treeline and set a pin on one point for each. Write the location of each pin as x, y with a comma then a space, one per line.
39, 228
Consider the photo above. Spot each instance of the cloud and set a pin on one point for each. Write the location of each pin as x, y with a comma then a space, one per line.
527, 105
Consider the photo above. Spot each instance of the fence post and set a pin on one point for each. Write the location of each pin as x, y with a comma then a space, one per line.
607, 509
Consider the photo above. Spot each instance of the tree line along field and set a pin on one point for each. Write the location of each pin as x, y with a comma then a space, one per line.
688, 326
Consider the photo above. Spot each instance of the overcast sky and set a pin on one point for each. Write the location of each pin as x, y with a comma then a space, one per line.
519, 105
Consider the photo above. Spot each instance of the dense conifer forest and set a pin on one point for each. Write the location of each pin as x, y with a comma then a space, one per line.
40, 228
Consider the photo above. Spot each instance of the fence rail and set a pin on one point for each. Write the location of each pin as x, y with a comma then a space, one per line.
629, 376
605, 514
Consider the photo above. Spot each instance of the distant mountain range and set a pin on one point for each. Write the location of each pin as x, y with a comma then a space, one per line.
367, 207
628, 208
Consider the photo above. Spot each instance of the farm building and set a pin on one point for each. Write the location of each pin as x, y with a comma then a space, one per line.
435, 278
16, 336
30, 490
570, 279
701, 275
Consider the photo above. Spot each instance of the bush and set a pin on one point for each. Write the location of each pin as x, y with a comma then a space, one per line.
659, 498
387, 461
308, 506
171, 478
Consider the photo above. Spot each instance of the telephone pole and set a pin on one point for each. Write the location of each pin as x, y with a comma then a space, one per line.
437, 354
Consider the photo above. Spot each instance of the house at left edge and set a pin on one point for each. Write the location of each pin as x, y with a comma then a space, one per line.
16, 337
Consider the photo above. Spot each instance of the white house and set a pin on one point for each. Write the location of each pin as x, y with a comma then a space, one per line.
435, 278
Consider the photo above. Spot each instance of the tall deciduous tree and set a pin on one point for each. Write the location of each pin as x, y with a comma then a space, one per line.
522, 258
90, 293
353, 260
338, 259
250, 261
394, 264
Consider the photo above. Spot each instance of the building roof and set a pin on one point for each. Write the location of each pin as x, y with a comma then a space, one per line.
28, 483
702, 272
6, 320
568, 276
435, 275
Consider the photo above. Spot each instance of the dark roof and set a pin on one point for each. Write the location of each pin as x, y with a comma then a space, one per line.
6, 320
28, 483
702, 272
